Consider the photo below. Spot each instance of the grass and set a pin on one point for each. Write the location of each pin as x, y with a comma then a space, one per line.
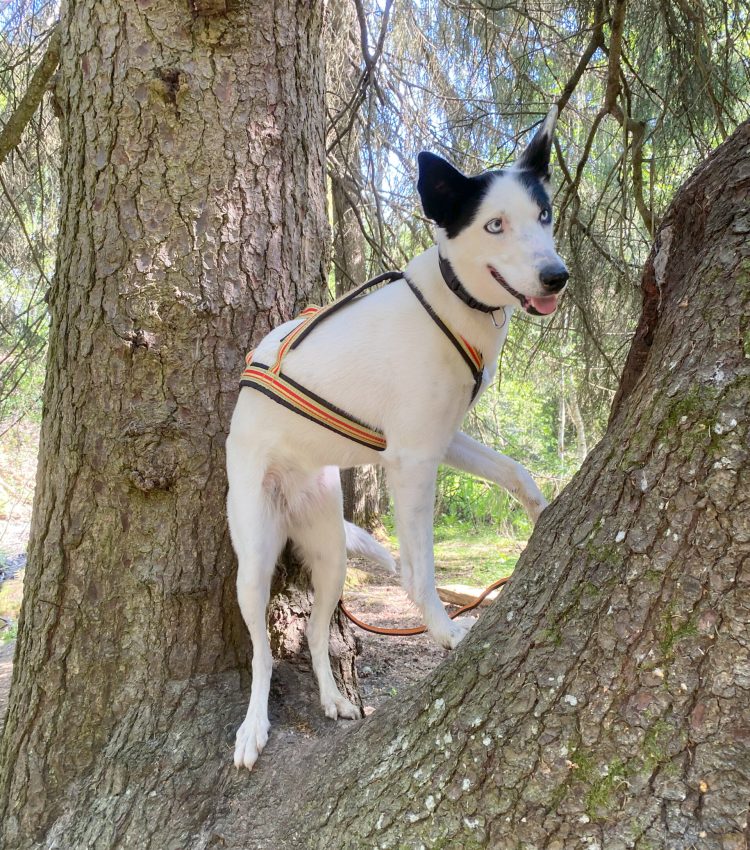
18, 449
8, 633
468, 555
11, 593
464, 555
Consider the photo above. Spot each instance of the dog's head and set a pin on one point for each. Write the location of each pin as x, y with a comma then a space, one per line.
496, 228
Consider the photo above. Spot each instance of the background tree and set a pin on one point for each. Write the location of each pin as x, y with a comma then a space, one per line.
346, 40
29, 191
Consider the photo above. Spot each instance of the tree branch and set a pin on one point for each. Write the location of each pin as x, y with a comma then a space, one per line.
617, 25
595, 42
13, 130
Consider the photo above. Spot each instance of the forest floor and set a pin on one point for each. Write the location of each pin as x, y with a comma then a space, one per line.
386, 665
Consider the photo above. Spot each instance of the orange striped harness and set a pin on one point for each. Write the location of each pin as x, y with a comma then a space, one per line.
270, 380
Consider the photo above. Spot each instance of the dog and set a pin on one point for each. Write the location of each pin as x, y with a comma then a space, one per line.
391, 362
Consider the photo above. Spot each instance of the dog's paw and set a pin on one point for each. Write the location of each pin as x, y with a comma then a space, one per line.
450, 634
251, 738
339, 706
534, 509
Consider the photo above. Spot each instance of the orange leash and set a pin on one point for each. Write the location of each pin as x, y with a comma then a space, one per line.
418, 630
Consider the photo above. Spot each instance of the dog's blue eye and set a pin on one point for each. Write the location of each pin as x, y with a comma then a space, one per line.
545, 216
495, 225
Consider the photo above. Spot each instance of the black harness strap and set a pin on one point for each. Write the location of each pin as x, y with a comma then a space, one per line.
343, 301
476, 371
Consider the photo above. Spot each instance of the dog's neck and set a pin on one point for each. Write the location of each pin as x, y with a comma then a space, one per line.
485, 330
454, 284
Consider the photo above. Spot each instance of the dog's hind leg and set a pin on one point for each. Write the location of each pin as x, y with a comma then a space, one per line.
471, 456
258, 534
318, 534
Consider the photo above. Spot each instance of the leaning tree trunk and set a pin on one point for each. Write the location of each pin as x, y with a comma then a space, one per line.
192, 220
604, 700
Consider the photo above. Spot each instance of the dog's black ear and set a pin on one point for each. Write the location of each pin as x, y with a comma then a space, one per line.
441, 187
536, 157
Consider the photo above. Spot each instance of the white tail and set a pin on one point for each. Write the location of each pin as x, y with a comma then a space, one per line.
360, 544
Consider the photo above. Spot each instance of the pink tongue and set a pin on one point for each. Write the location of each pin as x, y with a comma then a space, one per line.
545, 305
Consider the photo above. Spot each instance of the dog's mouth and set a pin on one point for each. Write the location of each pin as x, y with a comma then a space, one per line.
541, 305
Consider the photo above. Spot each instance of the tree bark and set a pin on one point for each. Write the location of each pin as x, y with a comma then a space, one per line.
192, 221
604, 699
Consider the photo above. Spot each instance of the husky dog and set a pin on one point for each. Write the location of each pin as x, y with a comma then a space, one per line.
392, 360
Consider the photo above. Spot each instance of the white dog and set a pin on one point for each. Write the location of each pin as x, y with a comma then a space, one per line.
386, 378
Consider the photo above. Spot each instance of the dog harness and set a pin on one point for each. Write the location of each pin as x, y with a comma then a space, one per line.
277, 386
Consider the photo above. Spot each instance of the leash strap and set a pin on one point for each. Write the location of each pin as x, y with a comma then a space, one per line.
418, 630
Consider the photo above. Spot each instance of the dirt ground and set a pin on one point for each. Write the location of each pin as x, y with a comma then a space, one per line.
385, 665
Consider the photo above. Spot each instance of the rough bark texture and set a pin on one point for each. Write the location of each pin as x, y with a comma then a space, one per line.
192, 220
604, 700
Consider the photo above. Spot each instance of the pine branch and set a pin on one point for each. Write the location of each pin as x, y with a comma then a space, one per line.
24, 112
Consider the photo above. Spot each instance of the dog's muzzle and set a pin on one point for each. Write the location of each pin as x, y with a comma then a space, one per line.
540, 305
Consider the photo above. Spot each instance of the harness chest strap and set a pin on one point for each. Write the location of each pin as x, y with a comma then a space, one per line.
270, 380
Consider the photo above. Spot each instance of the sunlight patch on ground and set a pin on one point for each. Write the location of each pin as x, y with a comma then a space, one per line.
468, 555
464, 556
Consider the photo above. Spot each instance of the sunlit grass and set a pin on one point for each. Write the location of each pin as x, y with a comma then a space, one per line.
468, 555
464, 555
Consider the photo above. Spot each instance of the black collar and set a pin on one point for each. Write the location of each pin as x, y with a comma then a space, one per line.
455, 285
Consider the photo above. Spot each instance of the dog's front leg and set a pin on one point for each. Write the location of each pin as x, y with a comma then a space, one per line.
413, 485
468, 455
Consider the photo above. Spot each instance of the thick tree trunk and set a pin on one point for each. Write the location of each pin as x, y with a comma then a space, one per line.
360, 485
604, 700
192, 221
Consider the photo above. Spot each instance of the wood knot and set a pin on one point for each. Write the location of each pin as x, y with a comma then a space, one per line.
151, 462
151, 480
169, 85
206, 8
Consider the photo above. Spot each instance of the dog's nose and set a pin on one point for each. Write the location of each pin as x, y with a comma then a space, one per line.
554, 278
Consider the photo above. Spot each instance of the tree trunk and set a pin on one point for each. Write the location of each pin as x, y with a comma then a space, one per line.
575, 415
192, 221
360, 485
561, 423
604, 699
